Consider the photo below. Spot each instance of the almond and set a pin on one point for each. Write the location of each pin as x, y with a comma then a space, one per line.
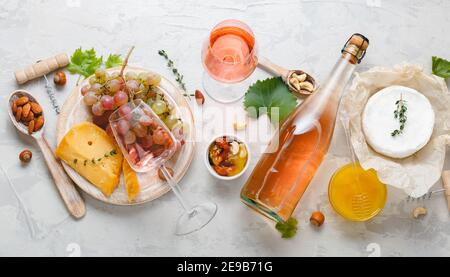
31, 127
22, 101
14, 107
26, 110
36, 108
38, 123
18, 114
29, 117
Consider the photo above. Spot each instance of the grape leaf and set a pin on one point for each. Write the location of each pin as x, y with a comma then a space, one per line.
269, 93
441, 67
113, 61
288, 229
84, 62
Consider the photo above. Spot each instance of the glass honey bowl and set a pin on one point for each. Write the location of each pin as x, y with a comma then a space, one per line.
356, 194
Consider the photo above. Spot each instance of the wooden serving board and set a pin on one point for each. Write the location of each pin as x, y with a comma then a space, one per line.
75, 111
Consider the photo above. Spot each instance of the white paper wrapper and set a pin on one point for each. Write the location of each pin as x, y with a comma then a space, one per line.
417, 173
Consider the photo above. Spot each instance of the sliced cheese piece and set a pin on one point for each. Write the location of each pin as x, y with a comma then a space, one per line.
131, 181
378, 122
93, 154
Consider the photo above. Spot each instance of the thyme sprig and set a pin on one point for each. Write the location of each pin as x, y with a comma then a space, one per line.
95, 160
400, 114
178, 76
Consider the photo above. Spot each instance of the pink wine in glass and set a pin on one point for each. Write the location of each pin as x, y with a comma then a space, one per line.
229, 54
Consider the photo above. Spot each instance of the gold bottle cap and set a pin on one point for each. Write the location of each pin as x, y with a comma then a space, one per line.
356, 46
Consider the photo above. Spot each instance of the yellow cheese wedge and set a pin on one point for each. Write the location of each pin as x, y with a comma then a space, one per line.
93, 154
131, 181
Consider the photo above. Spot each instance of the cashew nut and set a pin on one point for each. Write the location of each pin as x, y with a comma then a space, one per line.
419, 211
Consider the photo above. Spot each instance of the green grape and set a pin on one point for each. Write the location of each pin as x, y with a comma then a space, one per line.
150, 102
178, 125
142, 76
171, 120
130, 75
92, 80
100, 73
185, 127
159, 107
113, 75
152, 79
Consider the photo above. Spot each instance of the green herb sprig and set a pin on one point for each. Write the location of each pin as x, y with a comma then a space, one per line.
95, 160
288, 229
400, 114
178, 76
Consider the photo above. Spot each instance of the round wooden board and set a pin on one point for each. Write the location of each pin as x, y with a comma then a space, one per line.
75, 111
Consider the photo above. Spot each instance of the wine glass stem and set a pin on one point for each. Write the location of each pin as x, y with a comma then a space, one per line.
176, 189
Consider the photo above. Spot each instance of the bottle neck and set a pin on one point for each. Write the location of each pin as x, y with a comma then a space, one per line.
331, 90
340, 75
326, 99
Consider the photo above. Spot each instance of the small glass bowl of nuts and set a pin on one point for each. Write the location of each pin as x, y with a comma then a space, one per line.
227, 157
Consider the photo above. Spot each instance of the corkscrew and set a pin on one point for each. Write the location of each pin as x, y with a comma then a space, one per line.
40, 69
430, 194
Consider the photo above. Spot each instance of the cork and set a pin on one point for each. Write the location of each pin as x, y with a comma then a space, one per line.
359, 40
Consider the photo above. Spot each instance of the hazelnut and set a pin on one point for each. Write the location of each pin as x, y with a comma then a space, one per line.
60, 78
25, 155
199, 97
161, 175
317, 218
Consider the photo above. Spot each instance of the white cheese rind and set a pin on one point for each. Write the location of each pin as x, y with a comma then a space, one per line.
378, 122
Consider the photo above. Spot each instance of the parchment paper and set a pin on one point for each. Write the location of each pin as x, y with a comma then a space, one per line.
417, 173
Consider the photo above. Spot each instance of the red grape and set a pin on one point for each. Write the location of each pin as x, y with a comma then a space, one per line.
139, 130
124, 110
159, 137
130, 137
90, 98
145, 120
97, 109
113, 85
84, 90
122, 127
107, 102
120, 98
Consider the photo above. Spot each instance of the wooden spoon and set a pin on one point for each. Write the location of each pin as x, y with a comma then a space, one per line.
446, 186
70, 195
286, 75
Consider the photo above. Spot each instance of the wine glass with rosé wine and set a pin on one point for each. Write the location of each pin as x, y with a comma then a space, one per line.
229, 57
147, 144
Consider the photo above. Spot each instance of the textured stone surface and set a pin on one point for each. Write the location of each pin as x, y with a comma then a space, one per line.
302, 34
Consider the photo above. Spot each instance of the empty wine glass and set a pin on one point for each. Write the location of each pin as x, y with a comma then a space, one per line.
147, 144
229, 56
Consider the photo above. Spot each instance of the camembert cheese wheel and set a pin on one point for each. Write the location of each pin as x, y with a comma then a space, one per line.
379, 122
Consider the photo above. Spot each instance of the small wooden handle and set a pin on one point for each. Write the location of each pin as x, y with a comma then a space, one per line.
446, 185
66, 187
41, 68
277, 70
